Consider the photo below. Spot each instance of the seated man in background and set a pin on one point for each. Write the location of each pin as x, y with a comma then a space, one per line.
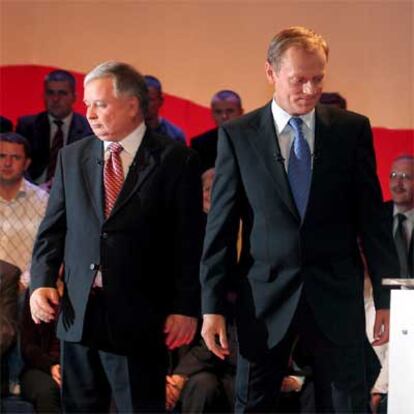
225, 106
58, 125
40, 379
22, 207
22, 204
400, 212
152, 117
333, 98
9, 284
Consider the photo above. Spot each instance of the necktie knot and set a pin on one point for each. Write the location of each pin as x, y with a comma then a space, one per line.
401, 218
58, 123
115, 148
296, 123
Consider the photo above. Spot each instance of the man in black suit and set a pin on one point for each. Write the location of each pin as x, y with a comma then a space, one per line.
130, 260
225, 106
57, 126
301, 177
400, 212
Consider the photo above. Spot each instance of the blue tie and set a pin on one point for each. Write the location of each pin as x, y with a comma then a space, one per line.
299, 167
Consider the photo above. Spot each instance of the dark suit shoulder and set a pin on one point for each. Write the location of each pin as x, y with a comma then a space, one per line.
79, 120
252, 118
168, 146
32, 118
198, 140
339, 115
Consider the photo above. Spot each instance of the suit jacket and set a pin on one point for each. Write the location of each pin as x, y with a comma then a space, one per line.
36, 129
9, 285
282, 256
206, 146
148, 249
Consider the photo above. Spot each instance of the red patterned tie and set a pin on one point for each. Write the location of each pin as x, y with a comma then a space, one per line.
113, 176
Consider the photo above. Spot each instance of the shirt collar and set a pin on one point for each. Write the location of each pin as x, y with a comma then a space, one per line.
409, 214
66, 121
131, 142
281, 118
21, 192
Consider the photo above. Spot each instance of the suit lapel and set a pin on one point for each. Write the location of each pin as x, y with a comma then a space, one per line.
322, 133
145, 160
42, 131
92, 172
265, 143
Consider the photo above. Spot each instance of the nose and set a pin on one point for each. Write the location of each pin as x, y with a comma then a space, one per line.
8, 160
90, 112
309, 88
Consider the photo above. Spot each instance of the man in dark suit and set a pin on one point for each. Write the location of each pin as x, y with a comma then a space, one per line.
225, 106
57, 126
130, 260
400, 212
301, 177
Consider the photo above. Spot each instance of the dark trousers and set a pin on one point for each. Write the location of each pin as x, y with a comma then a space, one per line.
96, 371
41, 390
206, 392
339, 372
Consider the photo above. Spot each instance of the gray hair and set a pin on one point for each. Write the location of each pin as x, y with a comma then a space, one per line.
127, 81
298, 36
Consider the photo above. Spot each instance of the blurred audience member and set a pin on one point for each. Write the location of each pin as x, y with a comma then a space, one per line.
333, 98
152, 118
5, 125
9, 282
41, 379
225, 106
400, 212
58, 125
22, 206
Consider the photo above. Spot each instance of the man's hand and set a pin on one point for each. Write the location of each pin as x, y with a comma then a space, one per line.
214, 335
55, 372
179, 330
43, 304
174, 384
381, 327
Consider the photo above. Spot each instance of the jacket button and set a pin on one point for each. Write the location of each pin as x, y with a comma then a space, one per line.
104, 235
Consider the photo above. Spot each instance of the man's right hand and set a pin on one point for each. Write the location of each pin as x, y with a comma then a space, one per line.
214, 334
43, 304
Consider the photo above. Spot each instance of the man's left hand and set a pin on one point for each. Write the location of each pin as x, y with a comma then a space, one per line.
381, 327
179, 330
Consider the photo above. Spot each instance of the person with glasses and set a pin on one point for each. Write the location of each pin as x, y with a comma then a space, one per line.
400, 211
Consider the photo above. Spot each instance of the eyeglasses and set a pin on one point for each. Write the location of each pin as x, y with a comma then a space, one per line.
402, 175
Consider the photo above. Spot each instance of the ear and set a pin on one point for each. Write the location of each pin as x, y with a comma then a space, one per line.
270, 73
133, 103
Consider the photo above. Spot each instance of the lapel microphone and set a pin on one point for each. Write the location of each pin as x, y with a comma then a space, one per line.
278, 157
100, 161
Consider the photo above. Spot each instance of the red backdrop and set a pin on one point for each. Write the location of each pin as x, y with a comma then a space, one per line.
21, 88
